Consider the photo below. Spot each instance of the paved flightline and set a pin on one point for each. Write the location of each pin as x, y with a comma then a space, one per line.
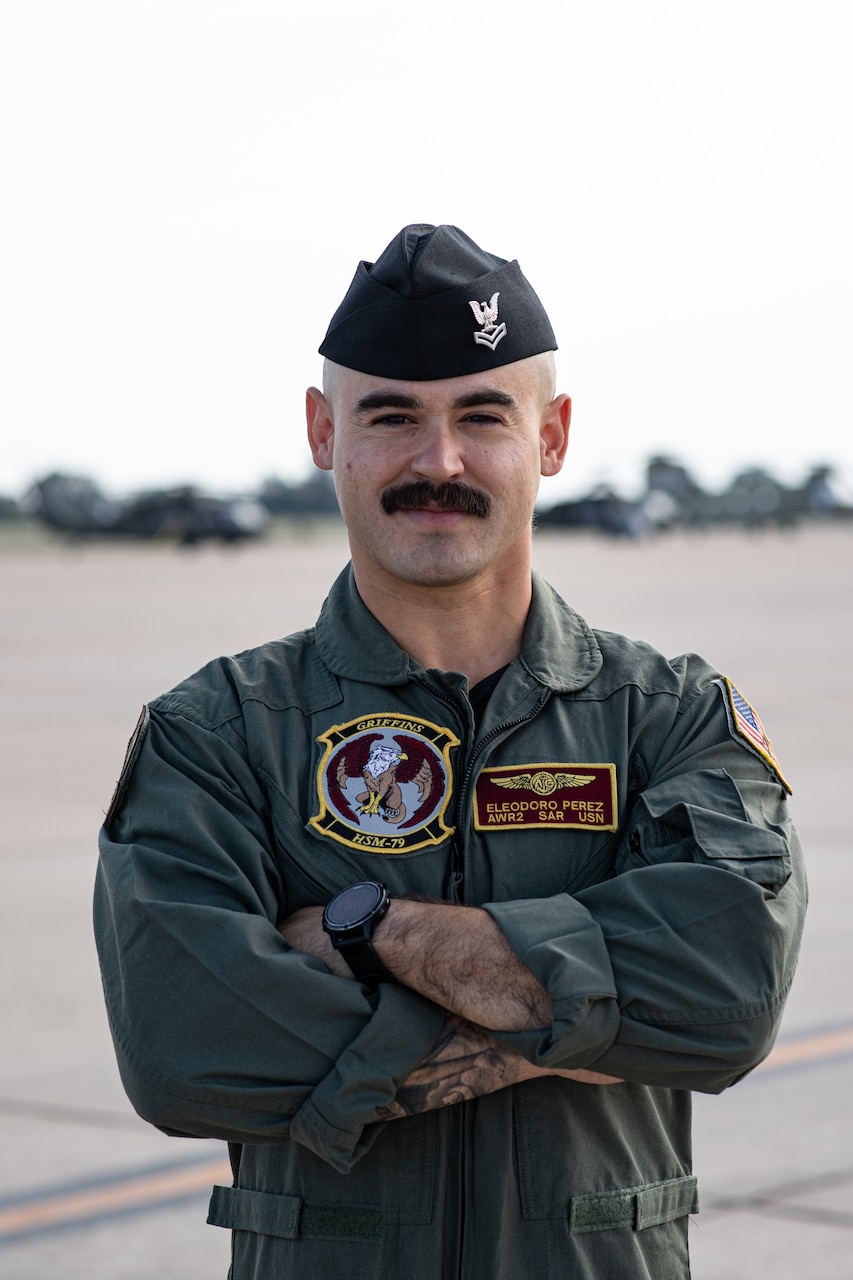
75, 1205
81, 1204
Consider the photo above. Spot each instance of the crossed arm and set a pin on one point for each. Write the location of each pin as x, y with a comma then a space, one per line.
457, 957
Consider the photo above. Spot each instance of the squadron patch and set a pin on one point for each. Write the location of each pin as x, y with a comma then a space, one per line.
745, 724
559, 796
384, 783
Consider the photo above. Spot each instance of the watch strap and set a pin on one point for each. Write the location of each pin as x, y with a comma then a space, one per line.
361, 957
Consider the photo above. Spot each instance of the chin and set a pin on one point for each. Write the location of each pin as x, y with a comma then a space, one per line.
448, 572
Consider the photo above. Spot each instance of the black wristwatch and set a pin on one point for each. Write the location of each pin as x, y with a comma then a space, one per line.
350, 919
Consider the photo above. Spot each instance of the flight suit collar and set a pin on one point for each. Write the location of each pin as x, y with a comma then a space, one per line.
559, 649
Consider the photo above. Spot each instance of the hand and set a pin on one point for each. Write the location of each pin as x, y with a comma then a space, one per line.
466, 1062
304, 931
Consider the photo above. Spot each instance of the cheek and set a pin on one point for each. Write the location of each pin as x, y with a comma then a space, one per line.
520, 475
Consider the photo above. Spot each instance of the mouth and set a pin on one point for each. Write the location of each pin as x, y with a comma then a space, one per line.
449, 498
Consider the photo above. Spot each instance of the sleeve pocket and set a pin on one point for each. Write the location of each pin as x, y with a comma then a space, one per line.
713, 827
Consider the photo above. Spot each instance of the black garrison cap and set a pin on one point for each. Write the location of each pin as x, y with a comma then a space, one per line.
436, 305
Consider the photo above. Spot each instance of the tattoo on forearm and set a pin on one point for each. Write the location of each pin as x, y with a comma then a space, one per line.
463, 1064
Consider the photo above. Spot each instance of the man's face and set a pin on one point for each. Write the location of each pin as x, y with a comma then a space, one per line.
437, 480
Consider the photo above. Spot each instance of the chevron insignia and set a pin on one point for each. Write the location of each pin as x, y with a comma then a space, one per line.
486, 315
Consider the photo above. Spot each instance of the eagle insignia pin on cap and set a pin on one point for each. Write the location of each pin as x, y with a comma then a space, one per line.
486, 315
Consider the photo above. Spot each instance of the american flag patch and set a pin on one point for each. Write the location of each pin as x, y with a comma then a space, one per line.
745, 724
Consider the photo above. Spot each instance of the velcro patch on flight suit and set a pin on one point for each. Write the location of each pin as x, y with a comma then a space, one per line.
559, 796
384, 783
635, 1207
292, 1218
746, 726
130, 757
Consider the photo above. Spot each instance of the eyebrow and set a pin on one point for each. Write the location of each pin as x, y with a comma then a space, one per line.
386, 400
488, 395
401, 400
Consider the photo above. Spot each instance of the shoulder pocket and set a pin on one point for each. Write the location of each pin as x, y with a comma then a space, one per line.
712, 826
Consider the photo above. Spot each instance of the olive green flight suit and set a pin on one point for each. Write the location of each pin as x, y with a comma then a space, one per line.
619, 815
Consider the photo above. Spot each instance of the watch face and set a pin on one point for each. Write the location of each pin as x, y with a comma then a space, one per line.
353, 905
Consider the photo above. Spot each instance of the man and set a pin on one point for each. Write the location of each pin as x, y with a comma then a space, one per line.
438, 911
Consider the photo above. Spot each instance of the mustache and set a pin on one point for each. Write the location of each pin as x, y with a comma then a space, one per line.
449, 496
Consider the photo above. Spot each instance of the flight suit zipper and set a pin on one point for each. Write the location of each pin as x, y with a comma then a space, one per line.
460, 1120
456, 878
457, 874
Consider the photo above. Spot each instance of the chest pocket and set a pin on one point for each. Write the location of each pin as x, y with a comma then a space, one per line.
540, 864
546, 828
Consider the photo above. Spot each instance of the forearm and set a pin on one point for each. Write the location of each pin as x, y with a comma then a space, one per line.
455, 956
459, 958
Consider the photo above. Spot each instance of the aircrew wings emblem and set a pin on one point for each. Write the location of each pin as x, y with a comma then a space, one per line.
543, 782
384, 783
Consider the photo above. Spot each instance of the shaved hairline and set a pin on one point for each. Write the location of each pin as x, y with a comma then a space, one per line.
545, 363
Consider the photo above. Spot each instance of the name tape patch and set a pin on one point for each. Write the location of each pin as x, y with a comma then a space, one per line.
559, 796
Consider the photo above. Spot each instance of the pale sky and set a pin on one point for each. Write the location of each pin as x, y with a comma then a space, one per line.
186, 187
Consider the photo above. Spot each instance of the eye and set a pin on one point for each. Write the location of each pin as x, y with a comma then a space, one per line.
481, 419
391, 420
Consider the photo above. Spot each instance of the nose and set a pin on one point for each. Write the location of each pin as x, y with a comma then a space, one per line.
437, 456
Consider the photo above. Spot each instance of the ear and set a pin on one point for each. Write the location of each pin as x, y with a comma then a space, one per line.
554, 435
321, 428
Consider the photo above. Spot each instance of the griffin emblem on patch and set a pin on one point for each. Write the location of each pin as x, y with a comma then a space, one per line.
745, 724
559, 796
384, 783
486, 315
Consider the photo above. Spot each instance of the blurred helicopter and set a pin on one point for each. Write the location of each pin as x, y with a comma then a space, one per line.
76, 506
753, 499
